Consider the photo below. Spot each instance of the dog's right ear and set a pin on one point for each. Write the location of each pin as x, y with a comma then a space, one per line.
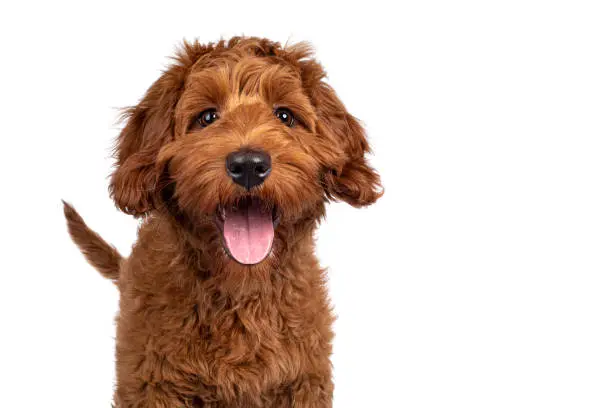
349, 177
134, 185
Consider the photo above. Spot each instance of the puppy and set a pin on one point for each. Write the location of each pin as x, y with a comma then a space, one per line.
228, 160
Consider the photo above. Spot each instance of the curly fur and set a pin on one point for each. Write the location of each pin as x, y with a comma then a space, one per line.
195, 328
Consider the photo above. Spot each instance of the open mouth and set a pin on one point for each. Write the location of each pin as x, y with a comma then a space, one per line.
247, 228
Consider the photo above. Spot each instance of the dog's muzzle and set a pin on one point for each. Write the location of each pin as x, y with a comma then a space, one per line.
247, 226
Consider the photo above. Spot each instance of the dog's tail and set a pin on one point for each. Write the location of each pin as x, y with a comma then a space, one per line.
101, 255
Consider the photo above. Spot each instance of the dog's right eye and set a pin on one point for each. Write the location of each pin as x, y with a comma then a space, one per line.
207, 117
285, 116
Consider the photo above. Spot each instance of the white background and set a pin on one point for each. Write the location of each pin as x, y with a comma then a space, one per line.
483, 277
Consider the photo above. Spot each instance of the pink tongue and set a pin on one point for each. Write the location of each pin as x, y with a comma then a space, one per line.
248, 233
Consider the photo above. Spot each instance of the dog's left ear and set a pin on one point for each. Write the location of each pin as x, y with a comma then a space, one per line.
135, 183
350, 178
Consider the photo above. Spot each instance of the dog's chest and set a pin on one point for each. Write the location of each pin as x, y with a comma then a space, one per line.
255, 344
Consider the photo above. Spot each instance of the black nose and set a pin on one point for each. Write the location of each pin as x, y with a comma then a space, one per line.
249, 168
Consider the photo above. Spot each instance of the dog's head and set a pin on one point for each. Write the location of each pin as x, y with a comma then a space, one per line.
245, 141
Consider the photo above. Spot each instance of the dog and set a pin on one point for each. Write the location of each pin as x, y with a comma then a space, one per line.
228, 161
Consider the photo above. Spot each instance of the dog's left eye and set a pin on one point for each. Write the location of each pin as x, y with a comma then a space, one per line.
285, 116
207, 117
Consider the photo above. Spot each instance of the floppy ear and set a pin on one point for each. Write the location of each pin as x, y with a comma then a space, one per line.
134, 185
350, 178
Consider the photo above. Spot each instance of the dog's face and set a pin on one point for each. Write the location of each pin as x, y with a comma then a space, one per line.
244, 143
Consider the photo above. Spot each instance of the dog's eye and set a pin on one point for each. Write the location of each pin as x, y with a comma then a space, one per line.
207, 117
285, 116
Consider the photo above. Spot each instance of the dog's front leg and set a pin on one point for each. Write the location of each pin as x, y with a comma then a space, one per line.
310, 391
147, 395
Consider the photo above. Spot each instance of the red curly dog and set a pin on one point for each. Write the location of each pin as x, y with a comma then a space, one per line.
229, 158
